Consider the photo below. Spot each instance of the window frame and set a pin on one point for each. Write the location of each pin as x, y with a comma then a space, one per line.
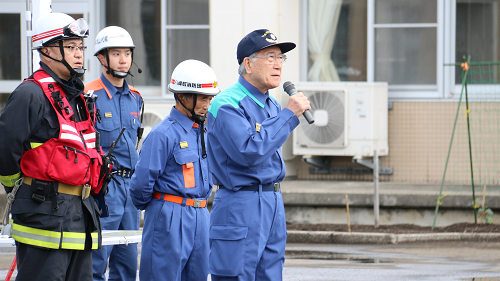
165, 94
445, 32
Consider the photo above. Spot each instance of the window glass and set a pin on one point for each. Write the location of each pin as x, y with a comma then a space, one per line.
187, 12
10, 52
338, 52
183, 44
405, 11
142, 19
477, 32
406, 42
405, 55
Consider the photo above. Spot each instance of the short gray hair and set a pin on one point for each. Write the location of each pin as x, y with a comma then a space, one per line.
241, 69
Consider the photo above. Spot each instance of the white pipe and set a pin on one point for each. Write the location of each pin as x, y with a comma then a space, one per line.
39, 8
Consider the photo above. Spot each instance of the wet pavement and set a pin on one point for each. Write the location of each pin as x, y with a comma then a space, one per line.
478, 261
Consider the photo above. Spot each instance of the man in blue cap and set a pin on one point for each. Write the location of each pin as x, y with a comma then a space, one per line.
246, 128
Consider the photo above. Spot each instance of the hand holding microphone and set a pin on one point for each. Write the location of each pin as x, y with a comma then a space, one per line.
298, 104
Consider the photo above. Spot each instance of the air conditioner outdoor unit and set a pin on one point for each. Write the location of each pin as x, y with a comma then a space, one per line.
350, 120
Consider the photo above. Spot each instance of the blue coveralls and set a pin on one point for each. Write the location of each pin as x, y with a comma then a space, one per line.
118, 110
175, 236
246, 129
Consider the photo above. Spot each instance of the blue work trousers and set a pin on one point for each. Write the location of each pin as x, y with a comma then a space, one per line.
247, 236
122, 216
174, 242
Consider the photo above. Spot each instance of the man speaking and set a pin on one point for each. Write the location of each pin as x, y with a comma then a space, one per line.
246, 128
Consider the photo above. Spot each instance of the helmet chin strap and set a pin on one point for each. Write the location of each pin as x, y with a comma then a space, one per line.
197, 119
114, 73
73, 72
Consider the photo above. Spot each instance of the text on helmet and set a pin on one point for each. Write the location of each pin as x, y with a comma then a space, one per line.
194, 85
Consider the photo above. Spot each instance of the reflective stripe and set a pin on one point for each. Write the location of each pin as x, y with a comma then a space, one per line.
36, 237
91, 144
10, 181
35, 144
47, 80
89, 136
95, 240
73, 241
70, 137
69, 128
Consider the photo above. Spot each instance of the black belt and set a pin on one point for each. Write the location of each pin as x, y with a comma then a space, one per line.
124, 173
265, 187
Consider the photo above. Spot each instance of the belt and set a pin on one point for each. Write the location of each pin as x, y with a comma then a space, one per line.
65, 188
180, 200
265, 187
124, 173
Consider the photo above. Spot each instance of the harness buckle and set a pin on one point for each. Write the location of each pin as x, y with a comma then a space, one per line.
197, 203
38, 197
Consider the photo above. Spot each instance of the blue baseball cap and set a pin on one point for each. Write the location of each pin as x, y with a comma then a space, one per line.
257, 40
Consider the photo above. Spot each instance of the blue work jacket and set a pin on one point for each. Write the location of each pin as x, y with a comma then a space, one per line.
118, 110
246, 129
170, 162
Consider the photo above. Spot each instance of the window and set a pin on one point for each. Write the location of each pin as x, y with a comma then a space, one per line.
405, 41
142, 19
336, 40
401, 42
477, 31
10, 54
186, 33
166, 33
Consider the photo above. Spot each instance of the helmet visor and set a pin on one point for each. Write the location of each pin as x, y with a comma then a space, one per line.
78, 28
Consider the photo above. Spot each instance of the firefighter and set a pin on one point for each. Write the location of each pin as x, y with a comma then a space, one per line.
172, 181
50, 158
119, 106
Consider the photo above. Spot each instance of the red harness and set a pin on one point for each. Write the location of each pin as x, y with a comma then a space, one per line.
72, 158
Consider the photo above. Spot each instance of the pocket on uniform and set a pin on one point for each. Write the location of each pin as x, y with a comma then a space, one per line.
75, 162
109, 129
227, 248
186, 160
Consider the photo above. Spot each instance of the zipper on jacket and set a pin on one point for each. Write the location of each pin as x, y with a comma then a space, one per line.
76, 151
76, 156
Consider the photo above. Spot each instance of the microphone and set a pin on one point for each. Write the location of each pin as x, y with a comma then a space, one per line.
138, 69
290, 90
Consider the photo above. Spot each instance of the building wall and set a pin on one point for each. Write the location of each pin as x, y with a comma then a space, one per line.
419, 141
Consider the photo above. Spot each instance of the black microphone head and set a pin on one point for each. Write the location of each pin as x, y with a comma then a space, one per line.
138, 69
289, 88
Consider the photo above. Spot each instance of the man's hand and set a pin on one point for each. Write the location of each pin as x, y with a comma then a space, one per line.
298, 103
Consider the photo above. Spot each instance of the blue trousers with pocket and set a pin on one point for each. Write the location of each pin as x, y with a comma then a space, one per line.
247, 235
174, 242
123, 215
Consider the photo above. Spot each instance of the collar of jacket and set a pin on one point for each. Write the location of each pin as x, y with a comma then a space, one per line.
69, 91
184, 121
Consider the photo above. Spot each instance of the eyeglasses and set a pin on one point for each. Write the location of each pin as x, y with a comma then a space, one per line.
72, 49
272, 58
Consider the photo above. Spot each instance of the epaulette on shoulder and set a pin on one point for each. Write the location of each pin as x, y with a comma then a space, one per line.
96, 85
134, 90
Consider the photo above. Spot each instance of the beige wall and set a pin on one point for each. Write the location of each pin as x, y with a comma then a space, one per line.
419, 139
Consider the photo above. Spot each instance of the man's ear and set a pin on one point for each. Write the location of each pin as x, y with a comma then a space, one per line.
101, 59
246, 63
45, 50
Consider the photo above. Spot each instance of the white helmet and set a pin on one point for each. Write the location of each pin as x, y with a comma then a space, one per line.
112, 37
194, 77
57, 26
